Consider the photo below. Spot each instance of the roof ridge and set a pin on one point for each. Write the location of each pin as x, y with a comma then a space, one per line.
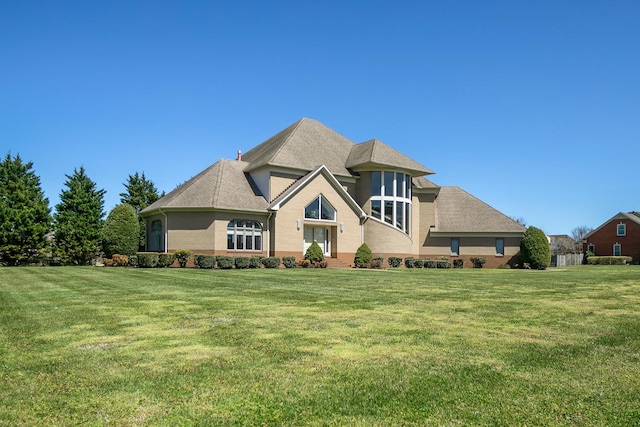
296, 125
217, 186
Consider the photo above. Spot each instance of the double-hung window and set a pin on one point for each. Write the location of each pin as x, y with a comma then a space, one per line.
621, 230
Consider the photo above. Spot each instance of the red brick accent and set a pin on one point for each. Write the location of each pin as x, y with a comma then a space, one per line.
604, 239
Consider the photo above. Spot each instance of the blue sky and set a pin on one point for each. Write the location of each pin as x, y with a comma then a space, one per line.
533, 107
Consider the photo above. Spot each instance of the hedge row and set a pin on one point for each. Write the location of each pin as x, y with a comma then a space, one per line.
609, 260
225, 262
411, 262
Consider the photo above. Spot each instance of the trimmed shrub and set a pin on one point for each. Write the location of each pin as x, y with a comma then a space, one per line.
394, 261
609, 260
430, 263
183, 256
255, 261
289, 261
165, 260
314, 253
224, 262
241, 262
274, 261
478, 262
418, 263
443, 263
534, 249
375, 262
304, 263
120, 260
133, 261
363, 256
504, 266
409, 262
148, 259
458, 263
204, 261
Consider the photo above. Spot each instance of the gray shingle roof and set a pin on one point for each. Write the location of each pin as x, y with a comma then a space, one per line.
377, 154
223, 185
421, 182
305, 145
459, 212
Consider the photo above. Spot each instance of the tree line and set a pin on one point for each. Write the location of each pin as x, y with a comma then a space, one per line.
76, 231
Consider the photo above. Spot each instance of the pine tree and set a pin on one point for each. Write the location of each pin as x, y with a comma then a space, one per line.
78, 219
121, 231
140, 194
24, 212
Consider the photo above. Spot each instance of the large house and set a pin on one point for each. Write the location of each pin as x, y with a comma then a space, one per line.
308, 183
619, 236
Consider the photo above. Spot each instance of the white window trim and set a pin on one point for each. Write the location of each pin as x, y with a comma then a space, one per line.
619, 246
256, 230
394, 198
451, 246
319, 198
624, 229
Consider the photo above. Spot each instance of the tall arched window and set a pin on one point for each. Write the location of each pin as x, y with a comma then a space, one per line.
156, 243
391, 198
244, 235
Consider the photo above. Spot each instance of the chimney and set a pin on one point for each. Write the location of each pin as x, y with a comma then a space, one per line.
239, 155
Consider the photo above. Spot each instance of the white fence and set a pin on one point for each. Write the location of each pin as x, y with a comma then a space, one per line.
566, 259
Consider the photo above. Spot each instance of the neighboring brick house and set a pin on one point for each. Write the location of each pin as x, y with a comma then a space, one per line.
619, 236
308, 183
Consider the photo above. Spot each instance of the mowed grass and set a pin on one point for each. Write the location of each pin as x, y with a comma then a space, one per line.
110, 346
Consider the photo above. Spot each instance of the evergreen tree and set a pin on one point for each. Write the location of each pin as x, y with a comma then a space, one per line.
121, 231
314, 253
78, 219
24, 212
140, 194
534, 248
363, 256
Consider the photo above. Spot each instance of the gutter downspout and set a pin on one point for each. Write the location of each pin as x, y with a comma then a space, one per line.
166, 228
269, 234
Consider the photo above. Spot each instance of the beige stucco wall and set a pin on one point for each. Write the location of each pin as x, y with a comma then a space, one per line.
279, 182
384, 239
424, 216
473, 246
201, 230
288, 239
363, 191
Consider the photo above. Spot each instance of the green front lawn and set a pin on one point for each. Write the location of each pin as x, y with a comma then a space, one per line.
113, 346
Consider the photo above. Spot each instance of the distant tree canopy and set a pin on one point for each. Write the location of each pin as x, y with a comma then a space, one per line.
78, 219
534, 249
140, 193
121, 231
24, 212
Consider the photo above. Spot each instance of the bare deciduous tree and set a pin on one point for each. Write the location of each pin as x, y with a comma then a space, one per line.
578, 234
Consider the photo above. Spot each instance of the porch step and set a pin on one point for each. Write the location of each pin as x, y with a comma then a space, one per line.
335, 263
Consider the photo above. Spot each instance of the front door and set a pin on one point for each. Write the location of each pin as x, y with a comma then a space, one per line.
322, 235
